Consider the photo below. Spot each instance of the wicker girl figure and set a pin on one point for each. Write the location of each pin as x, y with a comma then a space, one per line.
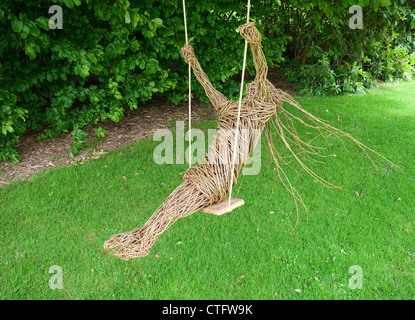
209, 182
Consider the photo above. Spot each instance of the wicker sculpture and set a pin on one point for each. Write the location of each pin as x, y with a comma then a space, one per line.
209, 182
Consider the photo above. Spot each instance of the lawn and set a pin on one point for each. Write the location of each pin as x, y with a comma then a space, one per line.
62, 217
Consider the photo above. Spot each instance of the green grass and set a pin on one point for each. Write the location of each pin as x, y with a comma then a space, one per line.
63, 216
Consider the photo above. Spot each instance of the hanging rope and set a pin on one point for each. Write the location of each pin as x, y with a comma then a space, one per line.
239, 106
190, 88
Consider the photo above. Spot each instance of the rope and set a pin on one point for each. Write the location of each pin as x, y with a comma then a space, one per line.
190, 88
239, 105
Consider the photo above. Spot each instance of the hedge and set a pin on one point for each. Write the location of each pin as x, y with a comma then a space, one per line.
111, 56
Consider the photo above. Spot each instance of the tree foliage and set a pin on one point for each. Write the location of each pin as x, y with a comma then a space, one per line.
111, 56
328, 57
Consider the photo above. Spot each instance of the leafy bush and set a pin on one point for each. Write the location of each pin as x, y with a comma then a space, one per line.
349, 60
111, 56
12, 125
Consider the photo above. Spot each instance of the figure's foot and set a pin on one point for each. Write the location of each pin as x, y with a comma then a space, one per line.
122, 239
128, 245
131, 251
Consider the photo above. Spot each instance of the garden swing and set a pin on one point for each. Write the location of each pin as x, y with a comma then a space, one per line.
228, 204
206, 185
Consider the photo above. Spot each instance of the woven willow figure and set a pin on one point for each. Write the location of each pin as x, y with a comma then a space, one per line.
209, 182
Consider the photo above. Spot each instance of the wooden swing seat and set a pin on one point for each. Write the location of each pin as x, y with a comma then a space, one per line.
223, 207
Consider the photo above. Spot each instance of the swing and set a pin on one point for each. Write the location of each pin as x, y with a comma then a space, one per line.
208, 186
228, 204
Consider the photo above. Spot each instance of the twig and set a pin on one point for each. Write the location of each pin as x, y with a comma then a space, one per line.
392, 222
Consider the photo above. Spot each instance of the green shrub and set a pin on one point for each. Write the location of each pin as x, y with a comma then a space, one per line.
12, 125
109, 57
112, 56
332, 58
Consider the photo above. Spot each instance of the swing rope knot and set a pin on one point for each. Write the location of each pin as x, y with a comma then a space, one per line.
188, 53
250, 33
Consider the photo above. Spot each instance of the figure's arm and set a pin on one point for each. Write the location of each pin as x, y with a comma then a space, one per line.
252, 35
214, 96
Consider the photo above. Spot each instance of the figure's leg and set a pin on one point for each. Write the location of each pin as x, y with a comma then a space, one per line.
183, 201
203, 185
